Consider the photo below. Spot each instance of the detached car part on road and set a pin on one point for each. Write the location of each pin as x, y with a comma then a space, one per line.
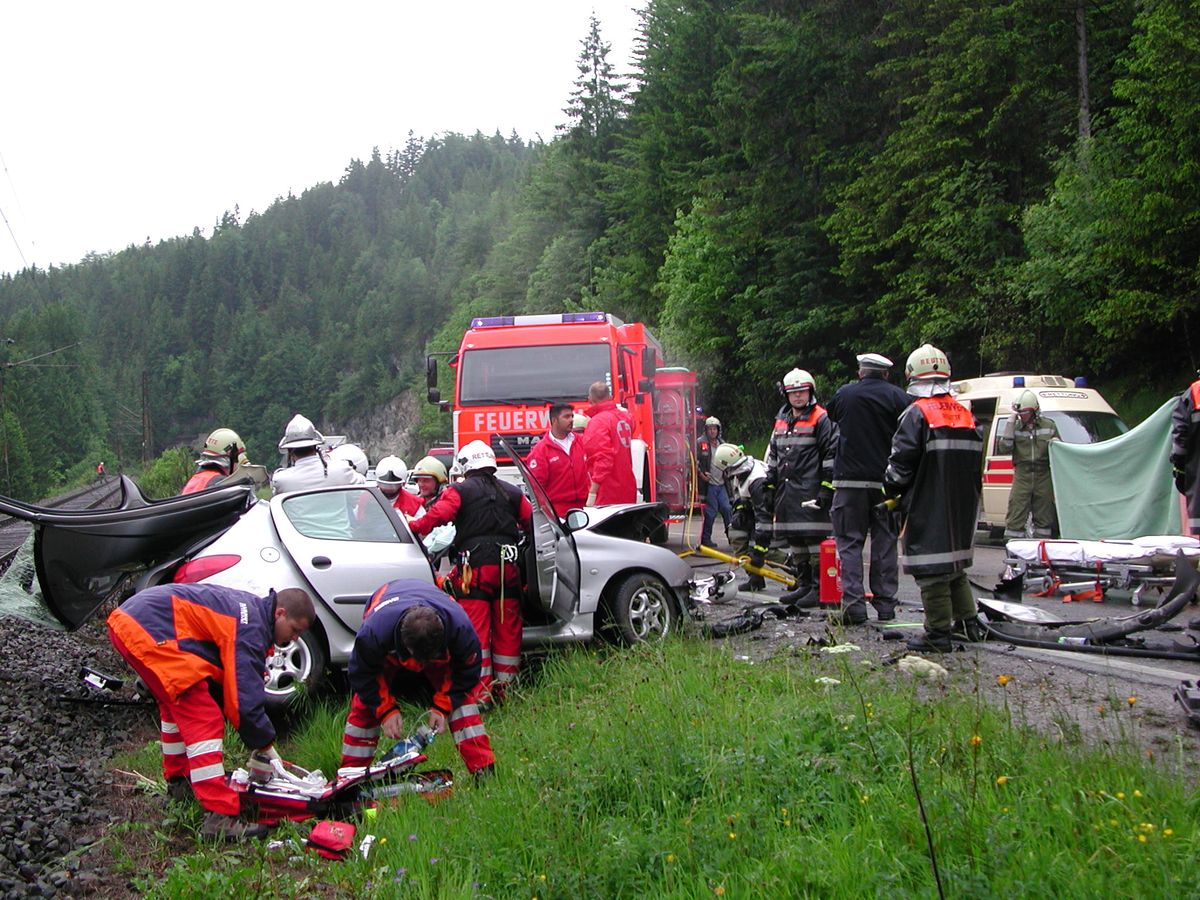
340, 544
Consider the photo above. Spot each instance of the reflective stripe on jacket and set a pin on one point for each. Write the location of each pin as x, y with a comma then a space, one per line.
186, 633
799, 462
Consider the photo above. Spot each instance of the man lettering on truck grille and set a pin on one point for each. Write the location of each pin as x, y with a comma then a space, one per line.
607, 442
1032, 490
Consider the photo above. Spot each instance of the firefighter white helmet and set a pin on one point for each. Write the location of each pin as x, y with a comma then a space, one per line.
730, 459
927, 363
221, 443
798, 380
300, 432
712, 420
352, 455
391, 470
476, 456
579, 422
428, 465
1026, 401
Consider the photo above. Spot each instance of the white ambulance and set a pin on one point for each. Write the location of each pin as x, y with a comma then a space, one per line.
1081, 414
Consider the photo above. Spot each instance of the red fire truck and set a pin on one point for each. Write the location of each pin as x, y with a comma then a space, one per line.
508, 370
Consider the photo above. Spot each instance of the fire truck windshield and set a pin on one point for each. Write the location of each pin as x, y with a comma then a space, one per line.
531, 374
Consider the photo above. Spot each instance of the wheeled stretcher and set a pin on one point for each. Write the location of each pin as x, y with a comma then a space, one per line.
1085, 570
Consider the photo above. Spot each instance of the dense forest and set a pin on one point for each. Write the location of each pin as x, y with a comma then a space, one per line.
775, 184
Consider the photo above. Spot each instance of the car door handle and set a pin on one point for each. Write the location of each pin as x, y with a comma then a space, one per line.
321, 562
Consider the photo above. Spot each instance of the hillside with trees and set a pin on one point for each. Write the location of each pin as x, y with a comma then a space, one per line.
775, 184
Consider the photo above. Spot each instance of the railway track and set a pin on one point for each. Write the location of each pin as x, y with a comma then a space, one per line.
14, 531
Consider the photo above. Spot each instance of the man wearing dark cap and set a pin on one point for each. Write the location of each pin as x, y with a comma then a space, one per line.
866, 412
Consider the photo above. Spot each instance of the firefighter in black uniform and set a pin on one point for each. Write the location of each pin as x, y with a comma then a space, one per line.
935, 470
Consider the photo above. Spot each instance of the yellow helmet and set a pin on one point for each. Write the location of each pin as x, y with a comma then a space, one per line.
427, 465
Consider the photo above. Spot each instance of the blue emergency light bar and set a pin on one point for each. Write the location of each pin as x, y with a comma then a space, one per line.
1018, 381
550, 319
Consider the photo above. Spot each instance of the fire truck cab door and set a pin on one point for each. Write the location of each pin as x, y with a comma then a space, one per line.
552, 562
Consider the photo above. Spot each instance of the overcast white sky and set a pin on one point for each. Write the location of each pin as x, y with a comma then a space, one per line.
127, 120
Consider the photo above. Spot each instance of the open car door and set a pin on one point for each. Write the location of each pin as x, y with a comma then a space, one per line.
552, 562
348, 543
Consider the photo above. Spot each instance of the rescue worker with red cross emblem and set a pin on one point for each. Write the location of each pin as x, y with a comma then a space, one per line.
935, 472
489, 516
413, 641
201, 649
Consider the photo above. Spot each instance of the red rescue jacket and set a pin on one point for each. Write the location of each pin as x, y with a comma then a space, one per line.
607, 441
201, 481
563, 476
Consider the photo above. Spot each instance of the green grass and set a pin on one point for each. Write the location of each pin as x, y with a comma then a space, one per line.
679, 771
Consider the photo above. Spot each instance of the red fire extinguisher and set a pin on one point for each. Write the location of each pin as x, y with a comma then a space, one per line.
830, 590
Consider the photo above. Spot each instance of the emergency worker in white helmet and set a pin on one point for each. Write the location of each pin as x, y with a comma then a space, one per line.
745, 478
391, 474
353, 456
489, 516
307, 466
223, 452
711, 482
799, 465
935, 473
1029, 440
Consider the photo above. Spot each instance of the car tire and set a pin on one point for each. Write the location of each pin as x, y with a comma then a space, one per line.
640, 608
295, 670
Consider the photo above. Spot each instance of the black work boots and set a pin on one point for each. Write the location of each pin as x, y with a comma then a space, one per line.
932, 642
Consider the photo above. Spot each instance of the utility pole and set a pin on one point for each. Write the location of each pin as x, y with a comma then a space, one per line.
146, 435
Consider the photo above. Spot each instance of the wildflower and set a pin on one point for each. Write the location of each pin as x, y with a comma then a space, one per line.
733, 835
1004, 809
400, 873
1002, 680
1112, 823
864, 798
1141, 839
783, 810
1131, 700
1101, 709
433, 860
840, 648
542, 877
976, 740
1167, 832
826, 680
383, 840
719, 890
412, 837
1002, 780
1137, 793
670, 857
1120, 795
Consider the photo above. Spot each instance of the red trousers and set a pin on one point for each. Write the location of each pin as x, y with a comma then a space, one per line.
361, 735
192, 732
496, 615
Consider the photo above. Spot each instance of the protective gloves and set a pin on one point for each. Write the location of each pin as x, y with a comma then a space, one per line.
260, 765
758, 556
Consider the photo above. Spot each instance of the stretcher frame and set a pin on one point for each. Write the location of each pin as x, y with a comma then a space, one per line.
1091, 580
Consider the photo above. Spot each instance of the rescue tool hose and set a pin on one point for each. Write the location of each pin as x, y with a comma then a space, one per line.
744, 562
1102, 649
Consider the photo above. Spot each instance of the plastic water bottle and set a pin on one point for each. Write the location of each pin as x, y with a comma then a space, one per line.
414, 743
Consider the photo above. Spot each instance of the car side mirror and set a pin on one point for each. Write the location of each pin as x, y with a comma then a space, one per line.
577, 520
431, 378
433, 395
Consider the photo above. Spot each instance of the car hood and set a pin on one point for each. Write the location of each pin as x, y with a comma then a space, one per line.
81, 556
626, 520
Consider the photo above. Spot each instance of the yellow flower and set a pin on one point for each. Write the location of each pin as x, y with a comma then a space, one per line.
1002, 680
733, 835
864, 798
976, 740
719, 890
1112, 823
670, 857
1120, 795
1001, 780
783, 810
1137, 793
1141, 838
1167, 832
1100, 708
1131, 700
1004, 809
541, 878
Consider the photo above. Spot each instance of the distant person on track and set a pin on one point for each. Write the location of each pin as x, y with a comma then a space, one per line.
608, 442
223, 452
100, 475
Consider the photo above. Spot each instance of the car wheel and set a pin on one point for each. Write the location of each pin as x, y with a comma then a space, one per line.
640, 608
295, 669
